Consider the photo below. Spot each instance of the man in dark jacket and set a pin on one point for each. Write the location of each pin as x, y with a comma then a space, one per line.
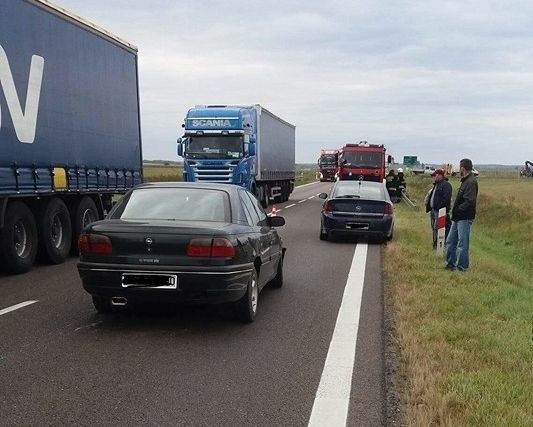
440, 197
463, 214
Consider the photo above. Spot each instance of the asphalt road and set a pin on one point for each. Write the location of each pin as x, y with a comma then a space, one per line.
62, 363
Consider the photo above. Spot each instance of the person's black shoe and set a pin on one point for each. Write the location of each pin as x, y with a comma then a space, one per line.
449, 267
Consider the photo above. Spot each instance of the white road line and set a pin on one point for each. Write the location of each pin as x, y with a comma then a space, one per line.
332, 399
16, 307
92, 325
312, 197
302, 201
290, 206
305, 185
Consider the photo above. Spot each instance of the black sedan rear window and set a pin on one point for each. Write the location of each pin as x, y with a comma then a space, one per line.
176, 204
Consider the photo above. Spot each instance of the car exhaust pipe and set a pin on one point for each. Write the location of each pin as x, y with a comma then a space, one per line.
119, 301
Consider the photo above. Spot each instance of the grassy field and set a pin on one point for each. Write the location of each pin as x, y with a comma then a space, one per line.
155, 173
466, 339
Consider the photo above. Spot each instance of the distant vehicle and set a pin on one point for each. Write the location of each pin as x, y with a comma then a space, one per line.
421, 169
357, 208
182, 243
69, 129
327, 164
246, 146
449, 169
363, 161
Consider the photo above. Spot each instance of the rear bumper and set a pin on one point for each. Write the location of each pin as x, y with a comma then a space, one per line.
354, 226
206, 285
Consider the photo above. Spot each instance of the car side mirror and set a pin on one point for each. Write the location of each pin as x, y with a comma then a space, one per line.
276, 221
323, 196
180, 148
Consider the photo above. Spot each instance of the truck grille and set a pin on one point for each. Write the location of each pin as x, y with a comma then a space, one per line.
213, 173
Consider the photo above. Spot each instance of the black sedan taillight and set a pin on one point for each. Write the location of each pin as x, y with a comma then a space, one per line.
389, 210
211, 248
95, 244
328, 207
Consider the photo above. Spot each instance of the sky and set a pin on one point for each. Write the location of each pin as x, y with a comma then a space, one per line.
441, 80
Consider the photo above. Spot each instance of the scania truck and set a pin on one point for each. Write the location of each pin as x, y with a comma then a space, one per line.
241, 145
69, 129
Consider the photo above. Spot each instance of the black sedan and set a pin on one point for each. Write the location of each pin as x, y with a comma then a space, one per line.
357, 208
183, 243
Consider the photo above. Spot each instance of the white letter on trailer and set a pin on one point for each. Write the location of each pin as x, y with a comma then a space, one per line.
25, 122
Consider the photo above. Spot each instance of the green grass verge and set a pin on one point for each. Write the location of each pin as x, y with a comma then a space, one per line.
156, 173
466, 339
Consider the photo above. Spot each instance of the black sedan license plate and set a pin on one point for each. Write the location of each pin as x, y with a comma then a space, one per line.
357, 226
149, 280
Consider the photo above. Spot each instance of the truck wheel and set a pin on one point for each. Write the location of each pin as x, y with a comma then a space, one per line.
283, 192
85, 213
257, 191
55, 232
263, 195
18, 239
286, 191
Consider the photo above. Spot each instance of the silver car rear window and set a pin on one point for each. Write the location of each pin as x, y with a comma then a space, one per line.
372, 191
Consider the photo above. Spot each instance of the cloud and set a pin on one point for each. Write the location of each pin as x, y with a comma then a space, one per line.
437, 79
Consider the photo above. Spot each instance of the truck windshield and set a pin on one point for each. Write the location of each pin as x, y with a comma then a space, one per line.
362, 159
215, 147
330, 160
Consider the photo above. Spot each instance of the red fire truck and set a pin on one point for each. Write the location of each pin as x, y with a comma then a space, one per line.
362, 161
327, 164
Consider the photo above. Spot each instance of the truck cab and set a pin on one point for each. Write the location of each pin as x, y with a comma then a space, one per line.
218, 145
362, 161
327, 164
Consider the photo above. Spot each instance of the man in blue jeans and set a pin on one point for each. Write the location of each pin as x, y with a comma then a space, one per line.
463, 214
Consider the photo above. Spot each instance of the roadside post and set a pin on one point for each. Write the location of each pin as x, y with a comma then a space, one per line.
441, 231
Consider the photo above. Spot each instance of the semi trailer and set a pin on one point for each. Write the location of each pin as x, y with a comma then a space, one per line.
70, 133
241, 145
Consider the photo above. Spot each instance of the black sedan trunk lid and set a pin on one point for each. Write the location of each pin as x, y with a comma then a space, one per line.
357, 207
154, 242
